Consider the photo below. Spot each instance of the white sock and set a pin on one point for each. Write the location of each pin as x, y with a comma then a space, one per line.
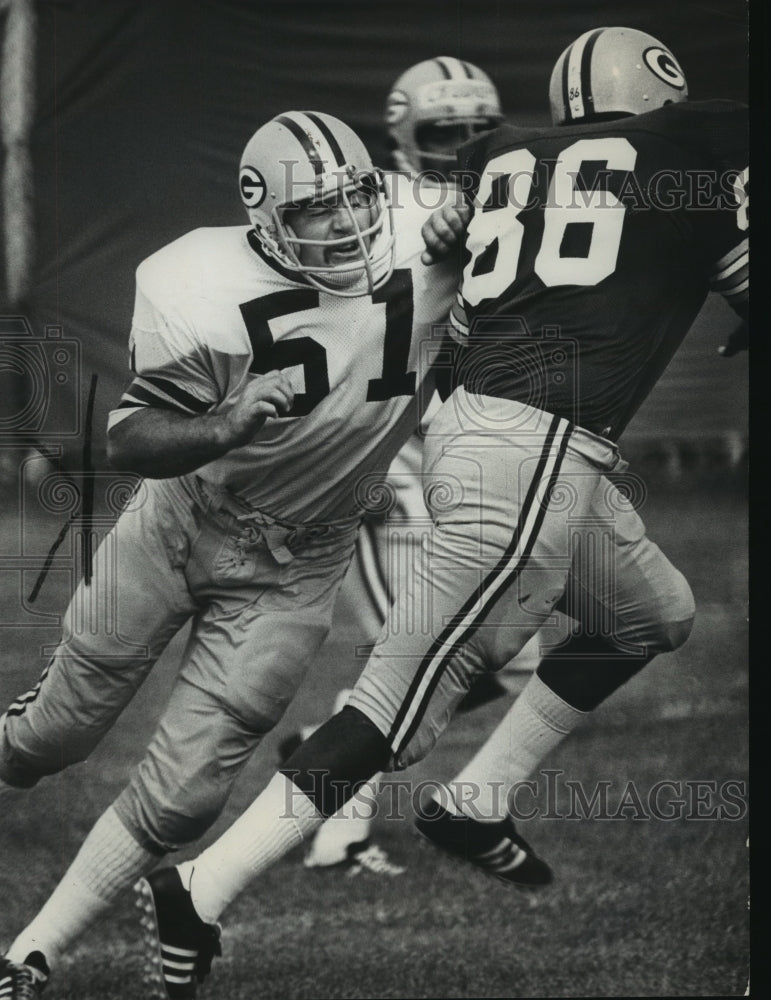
278, 820
108, 862
536, 723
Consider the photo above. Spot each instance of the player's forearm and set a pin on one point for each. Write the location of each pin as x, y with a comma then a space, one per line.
160, 444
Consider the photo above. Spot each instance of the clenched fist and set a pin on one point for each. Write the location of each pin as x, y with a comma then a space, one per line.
264, 396
444, 230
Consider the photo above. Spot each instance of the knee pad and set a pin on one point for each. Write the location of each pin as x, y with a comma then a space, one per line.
586, 669
677, 617
161, 825
674, 634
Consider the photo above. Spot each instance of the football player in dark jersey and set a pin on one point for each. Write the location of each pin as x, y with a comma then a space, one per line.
590, 249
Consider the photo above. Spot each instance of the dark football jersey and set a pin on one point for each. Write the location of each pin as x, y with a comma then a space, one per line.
591, 250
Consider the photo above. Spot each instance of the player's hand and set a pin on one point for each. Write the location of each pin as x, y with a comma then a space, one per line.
738, 341
265, 396
444, 230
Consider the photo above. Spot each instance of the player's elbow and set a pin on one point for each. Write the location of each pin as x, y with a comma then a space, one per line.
116, 452
124, 452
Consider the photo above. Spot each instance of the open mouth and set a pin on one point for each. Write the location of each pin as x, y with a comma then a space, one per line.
344, 253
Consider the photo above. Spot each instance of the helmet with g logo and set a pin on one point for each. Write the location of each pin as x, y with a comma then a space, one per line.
609, 72
442, 96
304, 156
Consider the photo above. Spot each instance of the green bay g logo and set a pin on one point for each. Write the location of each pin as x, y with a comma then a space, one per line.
663, 64
253, 187
397, 106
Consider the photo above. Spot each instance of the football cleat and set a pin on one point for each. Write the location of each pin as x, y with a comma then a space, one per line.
179, 946
496, 848
367, 857
23, 982
360, 856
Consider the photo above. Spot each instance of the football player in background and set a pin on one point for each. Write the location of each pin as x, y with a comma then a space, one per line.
248, 514
627, 212
432, 109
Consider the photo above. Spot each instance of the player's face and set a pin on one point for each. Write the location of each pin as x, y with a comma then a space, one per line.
443, 140
337, 217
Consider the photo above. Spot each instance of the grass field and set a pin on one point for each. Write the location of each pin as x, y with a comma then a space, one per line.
640, 906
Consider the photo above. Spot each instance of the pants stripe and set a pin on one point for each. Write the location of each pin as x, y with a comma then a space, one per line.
477, 606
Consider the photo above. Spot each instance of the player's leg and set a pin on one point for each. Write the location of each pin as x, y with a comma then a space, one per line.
177, 790
626, 611
383, 547
113, 632
415, 678
345, 838
245, 657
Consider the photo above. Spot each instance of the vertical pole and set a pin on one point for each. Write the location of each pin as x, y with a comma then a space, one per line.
17, 92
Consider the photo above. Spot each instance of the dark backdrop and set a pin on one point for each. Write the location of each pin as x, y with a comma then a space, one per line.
143, 109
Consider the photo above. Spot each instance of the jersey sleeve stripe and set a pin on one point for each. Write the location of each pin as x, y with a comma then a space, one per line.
739, 292
179, 395
738, 265
155, 391
126, 403
736, 280
736, 257
731, 274
458, 319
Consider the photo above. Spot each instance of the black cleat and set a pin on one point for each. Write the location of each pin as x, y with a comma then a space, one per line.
23, 982
179, 946
496, 848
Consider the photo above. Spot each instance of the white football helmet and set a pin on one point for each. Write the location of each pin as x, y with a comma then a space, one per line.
609, 72
435, 95
302, 156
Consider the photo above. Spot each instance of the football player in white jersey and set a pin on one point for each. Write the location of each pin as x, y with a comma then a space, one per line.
278, 367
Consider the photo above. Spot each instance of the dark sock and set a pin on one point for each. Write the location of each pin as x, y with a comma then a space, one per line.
587, 670
337, 759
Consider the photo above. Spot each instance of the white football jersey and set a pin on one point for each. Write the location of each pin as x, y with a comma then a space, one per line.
212, 311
